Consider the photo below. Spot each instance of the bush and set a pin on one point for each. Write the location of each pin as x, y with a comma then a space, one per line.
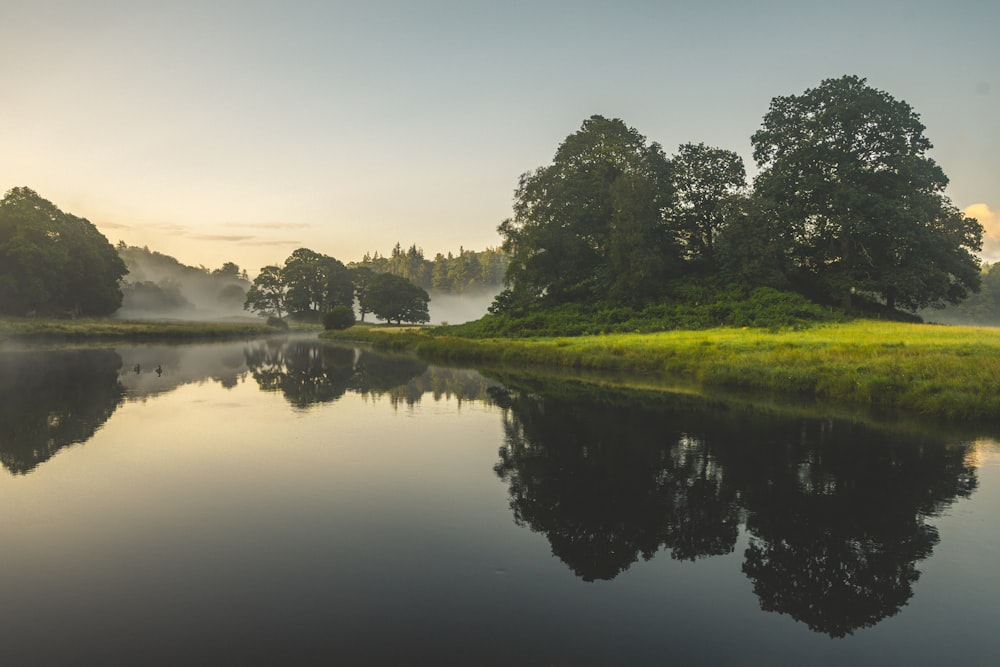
689, 306
340, 317
277, 323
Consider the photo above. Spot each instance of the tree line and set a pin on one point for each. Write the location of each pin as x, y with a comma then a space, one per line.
468, 271
847, 209
312, 286
54, 263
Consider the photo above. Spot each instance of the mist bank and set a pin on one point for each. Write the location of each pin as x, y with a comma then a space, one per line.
157, 286
447, 308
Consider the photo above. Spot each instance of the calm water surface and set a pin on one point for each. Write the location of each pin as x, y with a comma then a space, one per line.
288, 502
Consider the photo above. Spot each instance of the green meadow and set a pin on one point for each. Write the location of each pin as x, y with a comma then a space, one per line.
945, 371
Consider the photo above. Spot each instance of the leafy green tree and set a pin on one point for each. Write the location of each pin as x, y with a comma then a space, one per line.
395, 299
268, 292
857, 205
316, 283
361, 276
594, 223
53, 262
707, 182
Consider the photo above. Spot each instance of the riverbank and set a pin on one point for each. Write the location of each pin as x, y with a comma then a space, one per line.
943, 371
13, 329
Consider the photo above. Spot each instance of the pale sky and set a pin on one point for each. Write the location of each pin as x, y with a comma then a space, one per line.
242, 130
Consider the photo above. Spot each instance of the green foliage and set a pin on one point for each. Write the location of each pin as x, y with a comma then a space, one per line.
395, 299
468, 271
53, 262
267, 293
693, 306
315, 283
709, 185
592, 225
340, 317
852, 204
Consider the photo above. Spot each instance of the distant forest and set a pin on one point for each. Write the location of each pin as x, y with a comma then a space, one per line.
468, 271
159, 285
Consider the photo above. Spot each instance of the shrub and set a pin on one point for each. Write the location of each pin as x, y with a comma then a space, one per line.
277, 323
340, 317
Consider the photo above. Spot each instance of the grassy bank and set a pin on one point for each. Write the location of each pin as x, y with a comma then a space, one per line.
40, 329
935, 370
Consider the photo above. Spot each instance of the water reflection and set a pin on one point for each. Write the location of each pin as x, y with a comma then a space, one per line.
831, 516
835, 511
53, 398
307, 372
49, 400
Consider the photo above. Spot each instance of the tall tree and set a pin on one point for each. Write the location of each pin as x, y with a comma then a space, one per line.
316, 283
859, 206
361, 277
593, 224
395, 299
706, 182
53, 262
267, 293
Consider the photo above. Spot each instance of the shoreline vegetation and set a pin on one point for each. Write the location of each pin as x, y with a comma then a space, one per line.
29, 329
933, 370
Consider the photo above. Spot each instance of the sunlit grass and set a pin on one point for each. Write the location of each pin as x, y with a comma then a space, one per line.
938, 370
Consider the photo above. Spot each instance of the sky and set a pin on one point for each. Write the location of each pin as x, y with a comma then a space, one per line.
240, 131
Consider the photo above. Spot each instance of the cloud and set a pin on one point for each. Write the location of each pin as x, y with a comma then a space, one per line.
990, 220
112, 225
232, 238
268, 225
270, 242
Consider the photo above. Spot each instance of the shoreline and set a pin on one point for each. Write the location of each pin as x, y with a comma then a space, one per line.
932, 370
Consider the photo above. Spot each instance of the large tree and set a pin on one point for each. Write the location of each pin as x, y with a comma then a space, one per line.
708, 184
395, 299
53, 262
593, 224
268, 292
316, 283
853, 203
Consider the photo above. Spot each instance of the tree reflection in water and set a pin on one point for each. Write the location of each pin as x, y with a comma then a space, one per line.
52, 399
835, 511
309, 372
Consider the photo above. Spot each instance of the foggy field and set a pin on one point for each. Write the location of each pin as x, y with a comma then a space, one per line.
936, 370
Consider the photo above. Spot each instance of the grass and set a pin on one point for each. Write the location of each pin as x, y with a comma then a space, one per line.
936, 370
29, 329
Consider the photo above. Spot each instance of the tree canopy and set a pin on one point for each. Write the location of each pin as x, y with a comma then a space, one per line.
855, 205
847, 209
311, 285
52, 262
396, 299
593, 223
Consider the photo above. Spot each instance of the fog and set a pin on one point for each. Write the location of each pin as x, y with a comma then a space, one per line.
458, 308
160, 287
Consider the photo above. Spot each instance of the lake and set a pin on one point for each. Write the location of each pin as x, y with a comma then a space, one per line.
286, 501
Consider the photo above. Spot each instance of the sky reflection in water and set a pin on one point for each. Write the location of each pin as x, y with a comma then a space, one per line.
374, 509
